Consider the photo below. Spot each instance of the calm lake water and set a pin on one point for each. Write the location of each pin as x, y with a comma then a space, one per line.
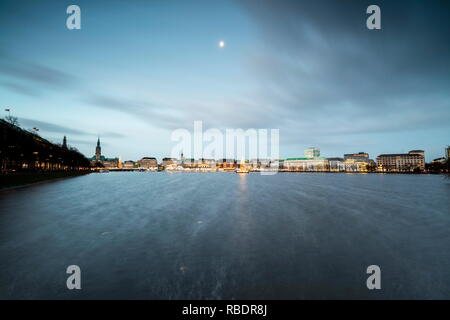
227, 236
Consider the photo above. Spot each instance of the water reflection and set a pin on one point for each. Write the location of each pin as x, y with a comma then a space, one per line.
243, 182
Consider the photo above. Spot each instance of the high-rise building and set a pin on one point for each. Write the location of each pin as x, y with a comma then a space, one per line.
312, 153
98, 150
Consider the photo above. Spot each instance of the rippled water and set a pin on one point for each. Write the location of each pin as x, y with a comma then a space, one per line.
227, 236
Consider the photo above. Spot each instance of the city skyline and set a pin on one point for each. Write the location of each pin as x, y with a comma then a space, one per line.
94, 154
134, 73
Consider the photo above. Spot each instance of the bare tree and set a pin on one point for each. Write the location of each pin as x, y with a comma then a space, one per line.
12, 120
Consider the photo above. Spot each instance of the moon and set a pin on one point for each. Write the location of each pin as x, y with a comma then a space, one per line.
221, 44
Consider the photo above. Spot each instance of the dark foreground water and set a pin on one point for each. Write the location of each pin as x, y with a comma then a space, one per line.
227, 236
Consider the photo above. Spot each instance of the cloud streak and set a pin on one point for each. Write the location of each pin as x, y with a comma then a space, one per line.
34, 74
326, 70
63, 130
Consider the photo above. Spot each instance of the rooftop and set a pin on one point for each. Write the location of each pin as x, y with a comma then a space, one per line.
315, 158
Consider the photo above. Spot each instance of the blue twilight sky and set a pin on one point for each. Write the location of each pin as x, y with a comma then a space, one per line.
139, 69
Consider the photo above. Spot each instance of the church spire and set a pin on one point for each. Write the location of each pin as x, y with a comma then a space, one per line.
98, 150
64, 144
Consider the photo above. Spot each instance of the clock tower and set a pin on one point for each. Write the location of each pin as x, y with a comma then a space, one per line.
98, 150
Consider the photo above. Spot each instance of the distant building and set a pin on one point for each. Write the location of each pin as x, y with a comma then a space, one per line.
419, 152
336, 164
166, 162
311, 162
110, 163
265, 163
306, 164
253, 164
148, 163
402, 162
312, 153
129, 164
447, 152
362, 156
440, 160
64, 144
356, 165
206, 163
278, 164
357, 162
256, 164
189, 163
98, 151
99, 160
226, 164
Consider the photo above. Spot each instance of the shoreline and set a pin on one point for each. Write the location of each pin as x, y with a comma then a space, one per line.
272, 171
13, 181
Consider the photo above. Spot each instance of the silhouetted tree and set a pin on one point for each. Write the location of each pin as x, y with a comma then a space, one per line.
12, 120
21, 150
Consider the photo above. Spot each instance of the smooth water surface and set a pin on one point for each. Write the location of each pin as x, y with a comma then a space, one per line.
227, 236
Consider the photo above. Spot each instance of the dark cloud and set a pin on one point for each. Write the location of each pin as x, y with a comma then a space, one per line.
19, 88
35, 73
229, 113
161, 116
55, 128
328, 74
50, 127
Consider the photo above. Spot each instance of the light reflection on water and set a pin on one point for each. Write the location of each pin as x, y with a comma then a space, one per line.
225, 235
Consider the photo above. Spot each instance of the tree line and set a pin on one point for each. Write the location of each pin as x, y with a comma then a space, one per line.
22, 151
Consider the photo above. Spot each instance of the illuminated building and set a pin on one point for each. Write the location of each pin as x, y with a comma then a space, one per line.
357, 162
189, 163
110, 163
226, 164
336, 164
311, 162
169, 162
356, 156
402, 162
98, 158
129, 164
148, 163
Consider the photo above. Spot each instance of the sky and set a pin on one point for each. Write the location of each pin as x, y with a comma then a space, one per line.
137, 70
